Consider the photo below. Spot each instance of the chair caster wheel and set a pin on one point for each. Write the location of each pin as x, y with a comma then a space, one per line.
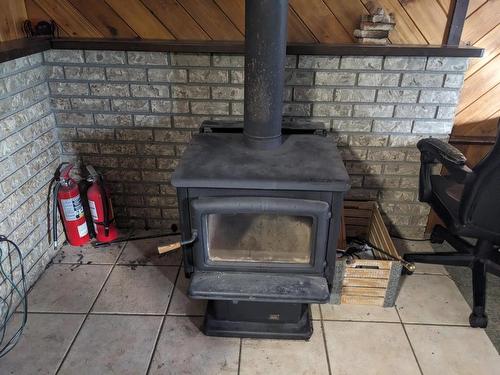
406, 271
435, 239
478, 321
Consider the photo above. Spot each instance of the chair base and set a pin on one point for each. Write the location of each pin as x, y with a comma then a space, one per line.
475, 257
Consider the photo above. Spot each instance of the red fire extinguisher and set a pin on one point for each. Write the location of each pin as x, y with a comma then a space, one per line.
67, 197
100, 206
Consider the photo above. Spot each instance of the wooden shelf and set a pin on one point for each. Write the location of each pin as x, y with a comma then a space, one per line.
239, 47
23, 47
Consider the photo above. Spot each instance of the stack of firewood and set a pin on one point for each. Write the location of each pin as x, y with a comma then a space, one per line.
375, 27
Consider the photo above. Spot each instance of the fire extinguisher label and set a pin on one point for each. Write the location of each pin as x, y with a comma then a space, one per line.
83, 230
72, 208
93, 210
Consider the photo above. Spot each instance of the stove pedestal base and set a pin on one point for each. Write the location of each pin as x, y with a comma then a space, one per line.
258, 320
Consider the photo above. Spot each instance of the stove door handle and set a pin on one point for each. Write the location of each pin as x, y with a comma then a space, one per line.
177, 245
194, 237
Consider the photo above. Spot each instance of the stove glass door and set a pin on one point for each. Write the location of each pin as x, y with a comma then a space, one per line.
257, 237
260, 233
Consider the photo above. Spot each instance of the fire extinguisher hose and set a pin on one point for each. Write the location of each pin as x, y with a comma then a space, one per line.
56, 180
55, 191
107, 221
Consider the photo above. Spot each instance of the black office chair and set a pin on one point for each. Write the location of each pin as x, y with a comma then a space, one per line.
468, 202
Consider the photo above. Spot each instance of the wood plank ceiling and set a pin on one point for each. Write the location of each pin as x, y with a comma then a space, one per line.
310, 21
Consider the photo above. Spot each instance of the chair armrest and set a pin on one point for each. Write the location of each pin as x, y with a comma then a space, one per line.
442, 151
451, 158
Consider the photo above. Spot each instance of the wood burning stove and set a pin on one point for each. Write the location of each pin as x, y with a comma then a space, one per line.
260, 210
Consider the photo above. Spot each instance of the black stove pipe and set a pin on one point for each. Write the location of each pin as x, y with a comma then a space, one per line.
265, 56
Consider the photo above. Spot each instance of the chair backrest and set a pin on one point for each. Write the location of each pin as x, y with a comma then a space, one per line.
480, 203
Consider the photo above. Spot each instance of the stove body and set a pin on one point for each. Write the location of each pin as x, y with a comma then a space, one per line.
260, 210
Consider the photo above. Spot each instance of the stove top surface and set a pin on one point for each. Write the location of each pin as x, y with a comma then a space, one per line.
222, 160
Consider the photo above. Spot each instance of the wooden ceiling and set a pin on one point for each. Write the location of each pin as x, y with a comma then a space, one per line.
310, 21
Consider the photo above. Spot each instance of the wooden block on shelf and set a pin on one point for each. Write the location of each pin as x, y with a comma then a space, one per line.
382, 41
366, 25
377, 34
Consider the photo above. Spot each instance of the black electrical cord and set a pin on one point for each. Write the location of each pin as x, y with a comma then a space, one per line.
7, 302
410, 239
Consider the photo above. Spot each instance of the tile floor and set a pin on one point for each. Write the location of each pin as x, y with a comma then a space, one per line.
123, 310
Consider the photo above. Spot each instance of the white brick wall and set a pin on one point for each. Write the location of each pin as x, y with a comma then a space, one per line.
29, 154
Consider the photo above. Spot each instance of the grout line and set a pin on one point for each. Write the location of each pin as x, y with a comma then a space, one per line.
88, 312
105, 313
177, 315
409, 342
438, 325
360, 321
324, 340
160, 329
239, 356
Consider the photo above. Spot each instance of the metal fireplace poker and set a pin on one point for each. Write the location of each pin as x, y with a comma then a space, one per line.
260, 203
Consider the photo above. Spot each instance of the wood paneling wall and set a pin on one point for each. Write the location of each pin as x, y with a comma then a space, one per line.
479, 107
323, 21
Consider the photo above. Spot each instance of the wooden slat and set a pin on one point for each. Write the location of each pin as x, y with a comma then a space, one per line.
479, 83
367, 273
379, 236
474, 152
429, 17
235, 11
478, 129
347, 12
474, 5
360, 263
376, 238
68, 18
100, 15
180, 24
140, 19
405, 32
491, 44
353, 231
321, 21
212, 19
357, 221
362, 300
360, 291
342, 241
37, 14
446, 5
297, 30
359, 205
481, 22
350, 212
12, 16
481, 109
370, 283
